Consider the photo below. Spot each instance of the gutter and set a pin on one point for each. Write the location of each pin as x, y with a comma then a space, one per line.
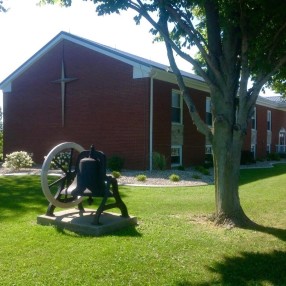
151, 119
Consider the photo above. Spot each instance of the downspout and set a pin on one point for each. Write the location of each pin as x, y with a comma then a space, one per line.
152, 75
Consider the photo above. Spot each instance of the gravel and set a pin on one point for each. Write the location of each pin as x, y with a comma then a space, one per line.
155, 178
188, 177
161, 178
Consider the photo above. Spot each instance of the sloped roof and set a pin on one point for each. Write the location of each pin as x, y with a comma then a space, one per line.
278, 99
147, 66
277, 102
141, 67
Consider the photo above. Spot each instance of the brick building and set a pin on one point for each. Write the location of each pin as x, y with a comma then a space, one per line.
267, 128
77, 90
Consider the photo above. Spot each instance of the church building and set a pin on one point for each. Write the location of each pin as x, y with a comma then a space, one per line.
76, 90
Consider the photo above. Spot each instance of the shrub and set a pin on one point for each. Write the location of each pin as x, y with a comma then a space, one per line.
273, 157
196, 177
247, 157
205, 172
141, 178
116, 174
174, 178
181, 168
202, 170
282, 155
17, 160
159, 161
115, 163
208, 161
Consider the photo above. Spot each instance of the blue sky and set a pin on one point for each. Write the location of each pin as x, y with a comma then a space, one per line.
25, 28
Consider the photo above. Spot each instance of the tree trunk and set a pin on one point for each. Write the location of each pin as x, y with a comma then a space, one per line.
227, 146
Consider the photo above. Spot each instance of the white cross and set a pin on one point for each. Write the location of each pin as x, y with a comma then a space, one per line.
63, 81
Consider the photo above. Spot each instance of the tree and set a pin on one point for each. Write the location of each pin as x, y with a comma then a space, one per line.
2, 8
242, 48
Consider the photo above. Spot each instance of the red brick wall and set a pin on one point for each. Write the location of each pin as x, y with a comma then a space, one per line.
194, 142
105, 106
278, 122
162, 118
261, 126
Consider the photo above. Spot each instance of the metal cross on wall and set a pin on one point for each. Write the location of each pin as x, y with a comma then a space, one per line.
63, 80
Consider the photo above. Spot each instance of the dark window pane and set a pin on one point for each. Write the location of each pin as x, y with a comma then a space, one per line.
176, 100
209, 118
175, 160
176, 115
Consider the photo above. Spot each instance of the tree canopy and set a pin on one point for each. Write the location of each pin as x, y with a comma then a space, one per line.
2, 8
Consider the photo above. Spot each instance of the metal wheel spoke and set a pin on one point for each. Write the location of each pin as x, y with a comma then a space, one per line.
55, 161
57, 182
62, 158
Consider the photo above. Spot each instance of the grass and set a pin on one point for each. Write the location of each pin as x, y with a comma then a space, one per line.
172, 245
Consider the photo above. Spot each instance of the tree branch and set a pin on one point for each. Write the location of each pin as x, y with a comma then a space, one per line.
262, 80
200, 124
245, 73
179, 17
273, 44
142, 11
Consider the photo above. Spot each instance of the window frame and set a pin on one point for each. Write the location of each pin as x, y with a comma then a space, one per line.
180, 108
180, 147
254, 120
268, 148
208, 149
269, 120
253, 150
209, 111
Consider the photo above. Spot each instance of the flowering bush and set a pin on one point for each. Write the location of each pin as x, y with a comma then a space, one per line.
17, 160
62, 159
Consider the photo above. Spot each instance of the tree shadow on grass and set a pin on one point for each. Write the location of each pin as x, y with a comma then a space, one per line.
277, 232
252, 269
20, 195
251, 175
247, 269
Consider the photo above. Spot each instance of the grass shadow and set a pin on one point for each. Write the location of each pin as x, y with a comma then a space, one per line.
277, 232
247, 268
20, 195
130, 231
252, 269
251, 175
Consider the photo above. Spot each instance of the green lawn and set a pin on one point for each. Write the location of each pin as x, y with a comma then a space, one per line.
172, 245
